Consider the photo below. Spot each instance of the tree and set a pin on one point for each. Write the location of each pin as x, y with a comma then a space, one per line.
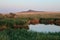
12, 15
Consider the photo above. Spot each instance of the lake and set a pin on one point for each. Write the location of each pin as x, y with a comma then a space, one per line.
44, 28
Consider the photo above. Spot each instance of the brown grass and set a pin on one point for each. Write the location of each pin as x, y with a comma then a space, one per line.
39, 14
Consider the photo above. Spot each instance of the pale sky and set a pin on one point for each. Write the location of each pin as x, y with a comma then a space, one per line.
22, 5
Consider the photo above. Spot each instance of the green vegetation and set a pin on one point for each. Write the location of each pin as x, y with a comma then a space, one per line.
23, 34
55, 21
9, 23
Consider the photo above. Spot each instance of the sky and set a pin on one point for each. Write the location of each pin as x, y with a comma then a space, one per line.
23, 5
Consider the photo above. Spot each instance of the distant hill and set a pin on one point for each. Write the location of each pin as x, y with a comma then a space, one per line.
33, 13
36, 12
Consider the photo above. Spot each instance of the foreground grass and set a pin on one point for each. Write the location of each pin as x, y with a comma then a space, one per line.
22, 34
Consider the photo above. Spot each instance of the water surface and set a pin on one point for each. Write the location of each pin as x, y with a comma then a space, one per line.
44, 28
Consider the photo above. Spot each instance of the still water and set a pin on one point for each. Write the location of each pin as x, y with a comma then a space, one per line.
44, 28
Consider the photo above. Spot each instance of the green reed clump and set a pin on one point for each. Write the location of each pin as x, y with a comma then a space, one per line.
23, 34
11, 22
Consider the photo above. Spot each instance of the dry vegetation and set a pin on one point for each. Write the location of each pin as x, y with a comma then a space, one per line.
39, 14
32, 13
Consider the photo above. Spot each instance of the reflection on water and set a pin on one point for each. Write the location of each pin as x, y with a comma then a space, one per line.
44, 28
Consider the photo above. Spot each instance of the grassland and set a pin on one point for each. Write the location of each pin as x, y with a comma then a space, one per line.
8, 21
11, 33
23, 34
39, 14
